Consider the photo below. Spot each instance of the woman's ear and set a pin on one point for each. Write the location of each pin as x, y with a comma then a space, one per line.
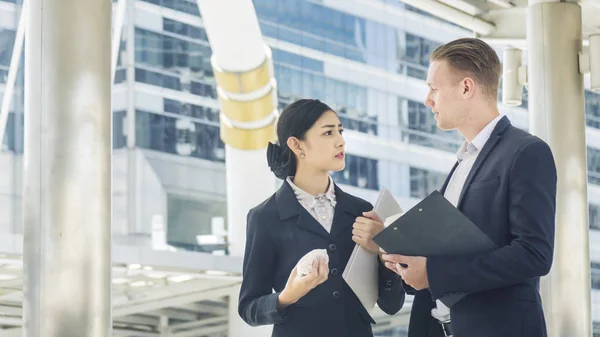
295, 145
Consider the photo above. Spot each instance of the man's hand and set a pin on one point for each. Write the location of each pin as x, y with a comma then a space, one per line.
412, 269
365, 228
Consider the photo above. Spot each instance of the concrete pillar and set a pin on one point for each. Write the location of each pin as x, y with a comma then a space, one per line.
247, 92
557, 115
67, 169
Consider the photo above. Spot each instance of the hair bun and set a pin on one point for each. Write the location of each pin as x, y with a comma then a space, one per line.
278, 161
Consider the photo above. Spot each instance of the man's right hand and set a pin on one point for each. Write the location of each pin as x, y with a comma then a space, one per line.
297, 286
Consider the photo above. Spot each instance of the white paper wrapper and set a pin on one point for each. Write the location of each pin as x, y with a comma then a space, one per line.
304, 266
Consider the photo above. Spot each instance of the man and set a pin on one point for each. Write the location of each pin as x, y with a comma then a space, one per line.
505, 182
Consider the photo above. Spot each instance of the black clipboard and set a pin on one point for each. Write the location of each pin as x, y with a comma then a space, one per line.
434, 227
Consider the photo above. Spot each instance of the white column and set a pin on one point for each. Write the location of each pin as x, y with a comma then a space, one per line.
67, 169
243, 70
557, 114
248, 98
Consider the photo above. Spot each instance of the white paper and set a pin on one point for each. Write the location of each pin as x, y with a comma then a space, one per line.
305, 264
387, 207
361, 272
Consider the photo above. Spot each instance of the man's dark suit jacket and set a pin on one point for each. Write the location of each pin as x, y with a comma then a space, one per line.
279, 233
510, 194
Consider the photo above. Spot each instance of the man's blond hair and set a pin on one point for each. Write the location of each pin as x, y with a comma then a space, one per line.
474, 58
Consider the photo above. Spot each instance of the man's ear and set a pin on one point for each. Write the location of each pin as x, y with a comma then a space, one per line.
468, 87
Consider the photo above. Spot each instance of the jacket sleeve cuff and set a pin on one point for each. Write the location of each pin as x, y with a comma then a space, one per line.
439, 283
434, 278
387, 278
276, 316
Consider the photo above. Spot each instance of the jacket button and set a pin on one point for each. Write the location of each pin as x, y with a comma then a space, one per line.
334, 271
336, 294
332, 247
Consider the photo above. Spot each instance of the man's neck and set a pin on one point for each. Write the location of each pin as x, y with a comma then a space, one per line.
474, 126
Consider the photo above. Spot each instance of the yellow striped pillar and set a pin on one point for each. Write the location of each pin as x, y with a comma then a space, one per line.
248, 105
247, 92
248, 119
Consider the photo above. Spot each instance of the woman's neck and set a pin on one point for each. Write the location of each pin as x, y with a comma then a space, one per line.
314, 183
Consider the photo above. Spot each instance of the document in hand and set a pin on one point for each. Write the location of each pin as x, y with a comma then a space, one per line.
434, 227
361, 272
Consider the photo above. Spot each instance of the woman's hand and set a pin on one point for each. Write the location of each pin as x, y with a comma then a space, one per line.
365, 228
297, 286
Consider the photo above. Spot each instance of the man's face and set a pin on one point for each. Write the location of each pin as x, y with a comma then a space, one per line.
445, 97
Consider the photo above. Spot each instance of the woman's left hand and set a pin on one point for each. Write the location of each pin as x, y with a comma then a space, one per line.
365, 228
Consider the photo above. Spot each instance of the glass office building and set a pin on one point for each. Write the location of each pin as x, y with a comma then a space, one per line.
367, 60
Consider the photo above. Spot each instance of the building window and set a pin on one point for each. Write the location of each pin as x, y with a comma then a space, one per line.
593, 163
592, 109
594, 216
595, 273
185, 6
307, 63
313, 25
360, 172
119, 139
185, 60
14, 133
7, 41
157, 79
423, 182
203, 113
416, 55
183, 29
348, 100
182, 136
188, 219
120, 76
423, 129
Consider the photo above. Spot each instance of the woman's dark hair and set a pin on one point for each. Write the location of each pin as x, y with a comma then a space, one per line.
295, 120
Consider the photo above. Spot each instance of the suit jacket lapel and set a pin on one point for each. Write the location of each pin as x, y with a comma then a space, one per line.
289, 206
308, 222
443, 189
346, 211
487, 148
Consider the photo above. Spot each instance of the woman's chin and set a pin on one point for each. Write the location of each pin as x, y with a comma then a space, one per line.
338, 167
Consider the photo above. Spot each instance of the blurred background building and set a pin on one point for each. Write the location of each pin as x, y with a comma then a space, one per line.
366, 59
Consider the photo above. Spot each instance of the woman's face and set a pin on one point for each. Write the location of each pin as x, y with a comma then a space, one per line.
323, 145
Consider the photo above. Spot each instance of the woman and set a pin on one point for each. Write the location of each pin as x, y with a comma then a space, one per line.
309, 212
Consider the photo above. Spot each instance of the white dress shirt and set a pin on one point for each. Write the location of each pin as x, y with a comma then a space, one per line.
467, 154
321, 207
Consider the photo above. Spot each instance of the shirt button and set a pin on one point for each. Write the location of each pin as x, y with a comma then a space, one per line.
324, 217
334, 271
332, 247
336, 294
